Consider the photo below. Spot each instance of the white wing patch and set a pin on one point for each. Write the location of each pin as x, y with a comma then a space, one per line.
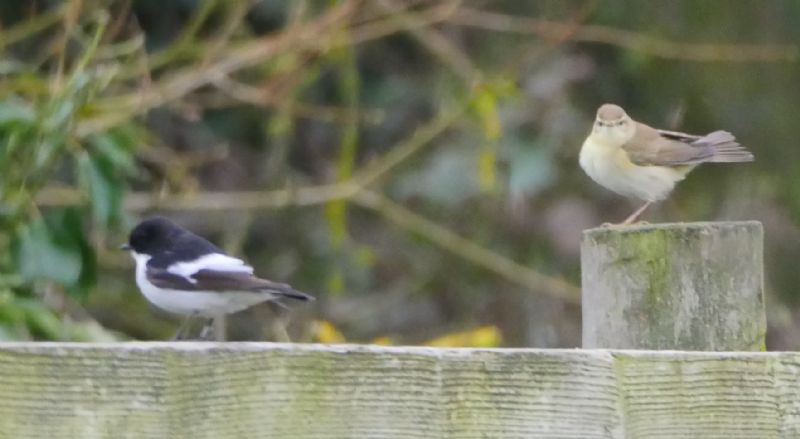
214, 261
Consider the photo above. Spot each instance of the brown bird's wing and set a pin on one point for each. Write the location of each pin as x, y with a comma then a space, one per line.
670, 148
221, 281
676, 135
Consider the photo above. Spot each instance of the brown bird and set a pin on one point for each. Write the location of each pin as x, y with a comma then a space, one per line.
635, 160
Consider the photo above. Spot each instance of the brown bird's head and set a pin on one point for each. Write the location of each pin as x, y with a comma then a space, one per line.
613, 125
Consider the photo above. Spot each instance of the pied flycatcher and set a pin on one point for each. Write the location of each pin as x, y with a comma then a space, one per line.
183, 273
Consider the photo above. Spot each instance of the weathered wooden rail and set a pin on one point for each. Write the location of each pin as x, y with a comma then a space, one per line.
696, 287
208, 390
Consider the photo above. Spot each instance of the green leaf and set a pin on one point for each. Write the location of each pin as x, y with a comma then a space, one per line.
60, 114
6, 334
42, 322
41, 254
14, 111
10, 312
104, 188
69, 224
116, 149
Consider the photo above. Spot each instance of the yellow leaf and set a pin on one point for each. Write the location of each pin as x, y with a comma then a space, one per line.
485, 105
325, 332
336, 214
486, 169
482, 337
383, 341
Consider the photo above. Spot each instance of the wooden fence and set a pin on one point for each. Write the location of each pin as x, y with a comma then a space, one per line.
210, 390
692, 287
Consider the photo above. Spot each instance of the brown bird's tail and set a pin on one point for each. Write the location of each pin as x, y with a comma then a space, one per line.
724, 148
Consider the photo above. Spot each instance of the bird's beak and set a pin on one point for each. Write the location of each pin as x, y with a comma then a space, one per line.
125, 247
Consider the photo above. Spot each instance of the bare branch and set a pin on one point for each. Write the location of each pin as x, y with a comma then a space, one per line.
458, 62
118, 109
631, 40
466, 249
242, 92
185, 81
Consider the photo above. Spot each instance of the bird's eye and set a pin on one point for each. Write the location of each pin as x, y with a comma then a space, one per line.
620, 123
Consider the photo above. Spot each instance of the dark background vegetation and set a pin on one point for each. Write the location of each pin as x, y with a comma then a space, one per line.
411, 163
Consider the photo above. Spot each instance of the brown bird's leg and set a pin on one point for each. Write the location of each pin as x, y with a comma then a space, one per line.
635, 215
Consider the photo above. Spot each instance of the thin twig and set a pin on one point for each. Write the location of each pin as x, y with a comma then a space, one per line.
245, 200
186, 38
401, 152
242, 92
458, 62
631, 40
209, 201
233, 22
115, 110
32, 26
377, 29
185, 81
466, 249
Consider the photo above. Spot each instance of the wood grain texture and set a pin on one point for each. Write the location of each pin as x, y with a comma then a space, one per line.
689, 286
209, 390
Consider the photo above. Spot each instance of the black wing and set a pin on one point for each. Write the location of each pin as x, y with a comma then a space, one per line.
221, 281
186, 246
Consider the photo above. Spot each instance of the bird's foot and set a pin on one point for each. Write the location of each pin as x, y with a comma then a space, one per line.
180, 334
622, 224
635, 215
207, 333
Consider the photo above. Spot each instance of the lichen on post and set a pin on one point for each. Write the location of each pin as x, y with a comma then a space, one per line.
683, 286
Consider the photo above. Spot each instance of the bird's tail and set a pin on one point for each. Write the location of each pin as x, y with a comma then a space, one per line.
283, 290
724, 147
297, 295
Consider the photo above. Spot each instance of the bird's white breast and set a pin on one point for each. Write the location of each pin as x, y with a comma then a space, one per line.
610, 167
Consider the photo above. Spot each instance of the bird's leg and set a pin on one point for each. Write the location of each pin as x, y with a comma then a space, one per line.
207, 332
281, 320
220, 323
179, 335
635, 215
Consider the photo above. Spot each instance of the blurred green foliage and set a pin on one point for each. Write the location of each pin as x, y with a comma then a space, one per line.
411, 163
40, 144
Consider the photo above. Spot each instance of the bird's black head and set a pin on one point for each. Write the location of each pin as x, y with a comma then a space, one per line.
153, 236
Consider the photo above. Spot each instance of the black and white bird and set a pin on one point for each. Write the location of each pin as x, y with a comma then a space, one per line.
184, 273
